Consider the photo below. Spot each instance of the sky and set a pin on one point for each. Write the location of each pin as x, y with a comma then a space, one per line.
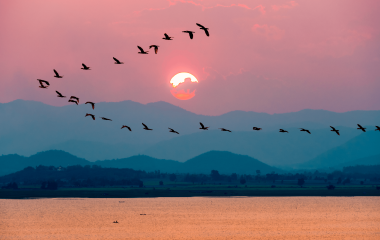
268, 56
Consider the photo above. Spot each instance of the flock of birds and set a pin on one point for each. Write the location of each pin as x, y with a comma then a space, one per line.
74, 99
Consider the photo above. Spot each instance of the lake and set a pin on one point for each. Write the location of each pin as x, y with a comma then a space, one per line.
192, 218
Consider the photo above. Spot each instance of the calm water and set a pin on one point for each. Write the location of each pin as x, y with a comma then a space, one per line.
192, 218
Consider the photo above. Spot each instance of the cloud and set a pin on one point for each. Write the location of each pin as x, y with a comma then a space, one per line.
291, 4
270, 32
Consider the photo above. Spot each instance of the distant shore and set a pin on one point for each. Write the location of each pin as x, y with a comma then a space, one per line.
178, 192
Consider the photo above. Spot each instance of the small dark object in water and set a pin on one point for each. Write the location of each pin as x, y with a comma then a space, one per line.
142, 214
115, 222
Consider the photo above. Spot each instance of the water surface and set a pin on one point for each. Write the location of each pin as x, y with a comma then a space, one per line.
192, 218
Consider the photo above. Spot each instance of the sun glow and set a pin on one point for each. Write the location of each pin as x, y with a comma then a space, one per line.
180, 78
180, 84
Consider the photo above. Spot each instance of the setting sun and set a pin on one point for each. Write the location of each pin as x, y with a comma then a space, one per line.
181, 79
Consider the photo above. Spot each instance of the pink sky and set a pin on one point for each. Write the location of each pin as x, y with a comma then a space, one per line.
265, 56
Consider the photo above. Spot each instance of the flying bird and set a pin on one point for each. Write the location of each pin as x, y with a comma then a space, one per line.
203, 28
88, 114
361, 128
256, 128
73, 101
106, 119
42, 82
203, 126
155, 48
142, 50
224, 130
305, 130
377, 128
124, 126
85, 67
146, 127
191, 35
74, 98
334, 130
117, 61
173, 131
167, 37
92, 104
56, 74
282, 130
60, 94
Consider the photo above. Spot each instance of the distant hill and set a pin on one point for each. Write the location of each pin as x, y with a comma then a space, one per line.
224, 162
28, 127
363, 146
372, 160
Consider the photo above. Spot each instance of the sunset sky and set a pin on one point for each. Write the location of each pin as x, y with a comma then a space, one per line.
265, 56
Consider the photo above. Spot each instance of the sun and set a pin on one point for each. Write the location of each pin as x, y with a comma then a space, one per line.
183, 85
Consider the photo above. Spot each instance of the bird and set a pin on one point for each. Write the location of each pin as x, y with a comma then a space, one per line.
173, 131
88, 114
124, 126
106, 119
155, 48
146, 127
377, 128
305, 130
60, 94
117, 61
142, 50
203, 28
56, 74
203, 126
256, 128
42, 82
92, 104
191, 35
361, 128
85, 67
73, 97
224, 130
73, 101
282, 130
167, 37
334, 130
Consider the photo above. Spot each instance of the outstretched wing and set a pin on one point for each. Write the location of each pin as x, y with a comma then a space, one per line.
59, 94
167, 36
129, 129
206, 31
332, 128
202, 125
116, 60
84, 65
360, 126
142, 50
200, 25
56, 73
144, 125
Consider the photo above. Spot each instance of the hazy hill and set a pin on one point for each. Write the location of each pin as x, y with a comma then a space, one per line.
271, 147
372, 160
28, 127
365, 145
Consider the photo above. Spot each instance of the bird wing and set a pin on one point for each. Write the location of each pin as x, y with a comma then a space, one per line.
200, 25
202, 125
116, 60
56, 73
84, 65
129, 129
93, 117
360, 126
171, 129
142, 50
332, 128
191, 35
152, 46
144, 125
59, 93
206, 31
167, 36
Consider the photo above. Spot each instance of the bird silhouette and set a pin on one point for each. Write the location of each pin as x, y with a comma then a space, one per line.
377, 128
117, 61
155, 48
203, 126
142, 50
167, 37
203, 28
42, 82
305, 130
73, 101
224, 130
92, 104
191, 35
146, 127
282, 130
334, 130
88, 114
85, 67
107, 119
74, 98
173, 131
256, 128
56, 74
60, 95
125, 126
361, 128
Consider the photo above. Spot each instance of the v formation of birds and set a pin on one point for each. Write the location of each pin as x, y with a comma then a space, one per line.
74, 99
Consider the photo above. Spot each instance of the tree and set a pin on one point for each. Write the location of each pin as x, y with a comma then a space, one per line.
347, 180
233, 176
161, 183
301, 182
242, 180
361, 182
339, 180
215, 175
172, 177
